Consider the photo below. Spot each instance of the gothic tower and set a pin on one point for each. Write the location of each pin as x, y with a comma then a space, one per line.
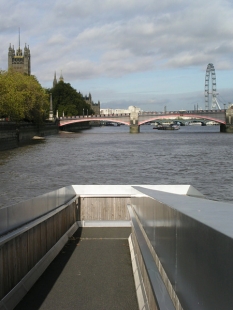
55, 80
61, 79
19, 61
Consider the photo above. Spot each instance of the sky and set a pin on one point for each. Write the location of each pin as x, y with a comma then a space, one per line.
148, 53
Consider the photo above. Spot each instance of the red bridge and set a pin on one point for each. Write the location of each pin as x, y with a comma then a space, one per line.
134, 120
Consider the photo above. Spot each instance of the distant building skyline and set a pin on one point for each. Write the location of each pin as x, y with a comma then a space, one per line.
120, 111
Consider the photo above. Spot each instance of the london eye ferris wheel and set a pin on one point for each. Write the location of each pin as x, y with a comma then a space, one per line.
210, 72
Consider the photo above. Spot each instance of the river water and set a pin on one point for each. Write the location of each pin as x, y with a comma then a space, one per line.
200, 156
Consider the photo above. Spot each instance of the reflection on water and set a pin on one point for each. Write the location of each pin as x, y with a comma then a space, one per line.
200, 156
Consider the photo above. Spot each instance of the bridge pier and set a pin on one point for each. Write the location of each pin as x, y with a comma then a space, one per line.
134, 127
228, 127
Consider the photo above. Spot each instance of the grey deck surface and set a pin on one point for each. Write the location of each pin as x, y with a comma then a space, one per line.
93, 271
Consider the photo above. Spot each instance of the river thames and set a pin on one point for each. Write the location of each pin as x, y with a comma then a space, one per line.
195, 155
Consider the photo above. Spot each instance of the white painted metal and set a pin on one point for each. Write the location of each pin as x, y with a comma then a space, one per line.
128, 190
104, 223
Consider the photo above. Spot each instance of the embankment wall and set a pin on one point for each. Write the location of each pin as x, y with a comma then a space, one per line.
13, 135
8, 136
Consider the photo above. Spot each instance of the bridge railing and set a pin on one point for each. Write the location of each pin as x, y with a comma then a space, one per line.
144, 113
94, 116
182, 112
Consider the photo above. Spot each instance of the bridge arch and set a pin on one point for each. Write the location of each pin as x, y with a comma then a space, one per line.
174, 117
88, 119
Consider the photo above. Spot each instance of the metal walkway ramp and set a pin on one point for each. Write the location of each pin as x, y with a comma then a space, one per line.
93, 271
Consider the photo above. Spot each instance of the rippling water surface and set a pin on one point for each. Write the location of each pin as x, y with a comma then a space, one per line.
200, 156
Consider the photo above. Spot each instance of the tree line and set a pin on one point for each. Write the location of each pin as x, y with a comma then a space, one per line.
66, 99
22, 98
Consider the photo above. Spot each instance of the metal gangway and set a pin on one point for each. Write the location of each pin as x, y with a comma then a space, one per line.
117, 247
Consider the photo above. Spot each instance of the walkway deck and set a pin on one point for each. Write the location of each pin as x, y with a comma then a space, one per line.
93, 271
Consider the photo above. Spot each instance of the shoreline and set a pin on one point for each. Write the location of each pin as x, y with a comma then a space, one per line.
13, 135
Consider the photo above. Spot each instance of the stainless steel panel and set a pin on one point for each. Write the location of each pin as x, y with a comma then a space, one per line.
160, 293
17, 215
193, 239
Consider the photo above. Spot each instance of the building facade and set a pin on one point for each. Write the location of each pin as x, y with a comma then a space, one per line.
19, 60
94, 106
120, 111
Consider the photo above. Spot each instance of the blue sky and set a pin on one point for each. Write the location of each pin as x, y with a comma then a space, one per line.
147, 53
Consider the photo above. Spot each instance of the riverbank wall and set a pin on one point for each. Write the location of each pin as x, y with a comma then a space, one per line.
8, 136
13, 135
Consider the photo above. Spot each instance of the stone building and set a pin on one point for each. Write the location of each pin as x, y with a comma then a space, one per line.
19, 60
54, 80
61, 79
94, 106
120, 111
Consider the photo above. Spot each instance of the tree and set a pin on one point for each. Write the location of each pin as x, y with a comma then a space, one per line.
22, 97
66, 99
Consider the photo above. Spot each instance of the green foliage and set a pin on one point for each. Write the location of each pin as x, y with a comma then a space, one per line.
22, 97
66, 99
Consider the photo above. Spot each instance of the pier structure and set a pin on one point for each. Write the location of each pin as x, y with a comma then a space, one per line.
228, 127
134, 119
123, 247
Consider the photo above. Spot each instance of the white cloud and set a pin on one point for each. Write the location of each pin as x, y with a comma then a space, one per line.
56, 39
117, 39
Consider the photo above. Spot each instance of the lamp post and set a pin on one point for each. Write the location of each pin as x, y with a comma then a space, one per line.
224, 106
83, 112
87, 112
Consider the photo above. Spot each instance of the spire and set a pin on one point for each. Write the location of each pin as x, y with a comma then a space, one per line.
54, 80
19, 38
61, 79
19, 52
